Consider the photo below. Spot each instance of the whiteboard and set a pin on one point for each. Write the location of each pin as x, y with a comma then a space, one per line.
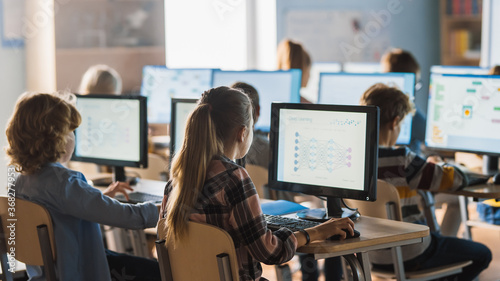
333, 35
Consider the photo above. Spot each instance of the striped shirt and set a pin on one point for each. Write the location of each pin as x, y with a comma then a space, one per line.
229, 201
409, 172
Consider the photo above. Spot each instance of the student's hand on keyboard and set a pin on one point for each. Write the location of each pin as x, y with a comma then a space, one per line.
118, 187
330, 228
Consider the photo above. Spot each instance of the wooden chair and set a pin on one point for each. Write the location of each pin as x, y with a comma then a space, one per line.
388, 206
206, 253
33, 234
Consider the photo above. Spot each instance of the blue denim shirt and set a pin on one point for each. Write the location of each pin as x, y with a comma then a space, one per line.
77, 209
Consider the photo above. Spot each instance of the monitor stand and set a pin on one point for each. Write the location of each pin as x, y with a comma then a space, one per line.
334, 209
118, 175
490, 164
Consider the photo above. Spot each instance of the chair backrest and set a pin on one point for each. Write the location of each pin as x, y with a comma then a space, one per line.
387, 205
157, 168
28, 216
196, 256
259, 176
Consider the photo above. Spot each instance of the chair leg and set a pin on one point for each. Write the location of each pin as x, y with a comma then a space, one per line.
283, 272
356, 268
47, 255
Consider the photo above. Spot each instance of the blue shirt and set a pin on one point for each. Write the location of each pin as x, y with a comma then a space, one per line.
76, 209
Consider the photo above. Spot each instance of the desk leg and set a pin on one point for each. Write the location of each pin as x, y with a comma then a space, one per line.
399, 269
358, 271
464, 213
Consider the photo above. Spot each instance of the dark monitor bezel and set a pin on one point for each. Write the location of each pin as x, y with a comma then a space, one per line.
294, 96
439, 148
174, 102
143, 131
369, 191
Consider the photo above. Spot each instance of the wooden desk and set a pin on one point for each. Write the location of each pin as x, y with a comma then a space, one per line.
376, 234
483, 191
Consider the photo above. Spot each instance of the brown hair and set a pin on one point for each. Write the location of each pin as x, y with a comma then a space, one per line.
101, 79
219, 113
391, 101
495, 70
400, 60
37, 130
293, 55
251, 92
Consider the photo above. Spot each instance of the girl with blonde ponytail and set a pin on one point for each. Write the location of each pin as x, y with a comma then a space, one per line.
207, 186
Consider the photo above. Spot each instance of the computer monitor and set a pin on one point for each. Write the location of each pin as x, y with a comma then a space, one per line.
160, 84
113, 132
362, 67
325, 150
464, 113
181, 108
454, 69
311, 91
347, 89
280, 86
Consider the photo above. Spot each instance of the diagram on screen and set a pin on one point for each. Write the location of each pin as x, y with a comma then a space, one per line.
314, 154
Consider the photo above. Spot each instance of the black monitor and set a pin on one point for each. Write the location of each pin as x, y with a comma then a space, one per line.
347, 89
181, 108
113, 132
325, 150
464, 115
277, 86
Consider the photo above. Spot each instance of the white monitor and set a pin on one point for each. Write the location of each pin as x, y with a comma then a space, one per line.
272, 86
464, 113
161, 84
347, 89
453, 69
311, 91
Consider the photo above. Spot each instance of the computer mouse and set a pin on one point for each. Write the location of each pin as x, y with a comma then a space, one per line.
496, 178
337, 236
133, 180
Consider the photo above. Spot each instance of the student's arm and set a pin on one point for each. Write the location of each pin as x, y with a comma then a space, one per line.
81, 200
422, 174
250, 228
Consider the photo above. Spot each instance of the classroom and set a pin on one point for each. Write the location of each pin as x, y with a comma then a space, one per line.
168, 53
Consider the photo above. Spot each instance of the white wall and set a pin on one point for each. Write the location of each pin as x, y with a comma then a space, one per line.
490, 37
12, 84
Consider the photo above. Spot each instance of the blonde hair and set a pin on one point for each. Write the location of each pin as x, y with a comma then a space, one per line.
292, 55
495, 70
391, 101
101, 79
37, 130
219, 113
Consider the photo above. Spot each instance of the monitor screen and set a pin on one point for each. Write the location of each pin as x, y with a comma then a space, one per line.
160, 84
453, 69
181, 108
279, 86
113, 130
362, 67
464, 113
347, 89
311, 91
325, 150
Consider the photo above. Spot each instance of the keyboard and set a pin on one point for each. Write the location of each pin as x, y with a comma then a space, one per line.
475, 179
139, 197
276, 222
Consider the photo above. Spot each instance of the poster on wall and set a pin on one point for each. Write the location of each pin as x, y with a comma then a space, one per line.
11, 23
342, 36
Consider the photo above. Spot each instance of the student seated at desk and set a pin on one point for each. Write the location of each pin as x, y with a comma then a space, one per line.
409, 172
40, 139
207, 186
292, 55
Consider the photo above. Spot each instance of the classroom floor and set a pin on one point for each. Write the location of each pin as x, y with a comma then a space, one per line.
490, 238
